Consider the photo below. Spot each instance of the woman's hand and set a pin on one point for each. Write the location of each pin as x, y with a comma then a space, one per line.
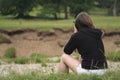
75, 29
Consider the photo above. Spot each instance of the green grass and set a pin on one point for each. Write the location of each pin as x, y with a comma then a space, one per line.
35, 24
113, 56
113, 75
10, 53
34, 58
104, 22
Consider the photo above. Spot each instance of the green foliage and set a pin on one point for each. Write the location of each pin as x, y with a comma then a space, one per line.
10, 53
44, 64
38, 58
35, 55
110, 6
76, 6
113, 56
34, 58
114, 75
50, 8
21, 60
20, 8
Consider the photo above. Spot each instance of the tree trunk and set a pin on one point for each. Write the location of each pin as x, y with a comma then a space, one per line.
55, 16
65, 10
115, 8
20, 15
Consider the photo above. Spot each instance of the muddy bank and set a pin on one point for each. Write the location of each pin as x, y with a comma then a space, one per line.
28, 41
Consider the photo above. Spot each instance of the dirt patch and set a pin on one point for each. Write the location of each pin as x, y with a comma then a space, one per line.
28, 41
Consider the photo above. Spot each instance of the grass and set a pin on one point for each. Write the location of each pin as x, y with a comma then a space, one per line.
107, 22
113, 75
43, 59
34, 58
113, 56
104, 22
35, 24
10, 53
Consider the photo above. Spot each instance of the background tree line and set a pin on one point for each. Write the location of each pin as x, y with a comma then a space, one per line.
21, 8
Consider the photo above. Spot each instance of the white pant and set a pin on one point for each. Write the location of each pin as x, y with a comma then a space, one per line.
81, 70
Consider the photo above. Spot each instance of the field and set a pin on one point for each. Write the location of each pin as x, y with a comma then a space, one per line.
103, 22
28, 42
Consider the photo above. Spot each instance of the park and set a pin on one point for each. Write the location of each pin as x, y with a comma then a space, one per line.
32, 37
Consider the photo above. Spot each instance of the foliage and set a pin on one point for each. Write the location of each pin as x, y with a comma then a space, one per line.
113, 56
34, 58
113, 75
110, 5
20, 8
76, 6
50, 7
21, 60
10, 53
38, 58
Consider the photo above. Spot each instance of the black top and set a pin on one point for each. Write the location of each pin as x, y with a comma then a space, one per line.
89, 44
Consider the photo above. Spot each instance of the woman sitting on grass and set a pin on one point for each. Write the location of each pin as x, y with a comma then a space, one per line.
87, 40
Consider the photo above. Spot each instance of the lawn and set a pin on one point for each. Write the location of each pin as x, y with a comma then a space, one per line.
114, 75
103, 22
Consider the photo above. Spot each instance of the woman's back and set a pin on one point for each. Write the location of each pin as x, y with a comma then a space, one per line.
90, 46
87, 40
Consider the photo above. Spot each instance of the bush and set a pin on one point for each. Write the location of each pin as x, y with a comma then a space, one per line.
10, 53
21, 60
113, 56
34, 55
38, 58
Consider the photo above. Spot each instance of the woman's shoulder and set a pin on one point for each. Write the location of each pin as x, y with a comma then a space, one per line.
75, 35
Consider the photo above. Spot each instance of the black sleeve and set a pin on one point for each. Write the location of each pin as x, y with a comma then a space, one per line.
71, 45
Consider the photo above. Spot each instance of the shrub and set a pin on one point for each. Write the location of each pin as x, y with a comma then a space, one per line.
44, 64
21, 60
38, 58
34, 55
113, 56
10, 53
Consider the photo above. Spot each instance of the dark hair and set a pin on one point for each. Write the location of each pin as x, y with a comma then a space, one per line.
83, 20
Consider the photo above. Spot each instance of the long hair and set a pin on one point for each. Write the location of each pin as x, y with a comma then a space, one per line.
83, 20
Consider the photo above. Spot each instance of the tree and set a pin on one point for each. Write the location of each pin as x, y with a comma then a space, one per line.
111, 5
115, 8
77, 6
51, 7
19, 8
65, 7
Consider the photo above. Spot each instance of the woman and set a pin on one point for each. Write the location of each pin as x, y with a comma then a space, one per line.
87, 40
